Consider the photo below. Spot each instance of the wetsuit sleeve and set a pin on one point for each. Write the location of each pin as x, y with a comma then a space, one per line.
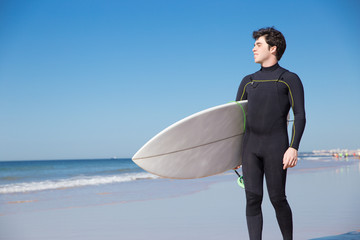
296, 98
241, 94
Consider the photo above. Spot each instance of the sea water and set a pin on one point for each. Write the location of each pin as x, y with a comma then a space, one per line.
31, 176
56, 184
53, 184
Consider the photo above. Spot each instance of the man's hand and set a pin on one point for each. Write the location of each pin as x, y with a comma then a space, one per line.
290, 158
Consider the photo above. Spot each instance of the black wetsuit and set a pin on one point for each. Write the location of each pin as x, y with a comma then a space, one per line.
270, 92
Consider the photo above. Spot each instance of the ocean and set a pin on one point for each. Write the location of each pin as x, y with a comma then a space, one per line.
30, 176
76, 183
108, 198
59, 184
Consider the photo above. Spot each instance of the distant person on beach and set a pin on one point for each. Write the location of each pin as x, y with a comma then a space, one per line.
270, 92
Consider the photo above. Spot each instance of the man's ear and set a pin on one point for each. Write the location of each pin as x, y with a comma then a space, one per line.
273, 49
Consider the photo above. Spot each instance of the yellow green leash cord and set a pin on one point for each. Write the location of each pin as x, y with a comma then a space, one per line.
240, 180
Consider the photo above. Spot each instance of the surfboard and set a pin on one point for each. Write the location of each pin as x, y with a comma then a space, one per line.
206, 143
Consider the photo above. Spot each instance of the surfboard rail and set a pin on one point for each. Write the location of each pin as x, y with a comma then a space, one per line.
203, 144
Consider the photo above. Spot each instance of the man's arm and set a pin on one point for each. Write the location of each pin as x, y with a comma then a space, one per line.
296, 98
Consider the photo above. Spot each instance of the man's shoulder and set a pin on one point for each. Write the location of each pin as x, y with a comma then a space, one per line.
289, 75
247, 78
291, 78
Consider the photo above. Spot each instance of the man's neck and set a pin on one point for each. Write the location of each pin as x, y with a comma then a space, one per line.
269, 63
271, 68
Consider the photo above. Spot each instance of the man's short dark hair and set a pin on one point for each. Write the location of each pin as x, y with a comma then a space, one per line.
273, 37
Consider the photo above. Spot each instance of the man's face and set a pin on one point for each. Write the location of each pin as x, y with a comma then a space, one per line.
261, 51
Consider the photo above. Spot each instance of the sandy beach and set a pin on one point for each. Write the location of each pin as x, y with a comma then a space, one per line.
324, 201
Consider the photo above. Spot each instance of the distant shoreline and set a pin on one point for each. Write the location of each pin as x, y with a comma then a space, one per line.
330, 152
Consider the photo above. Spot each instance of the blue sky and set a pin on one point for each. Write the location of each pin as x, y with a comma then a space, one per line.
93, 79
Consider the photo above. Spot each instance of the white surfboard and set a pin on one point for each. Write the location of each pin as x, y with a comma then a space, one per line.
204, 144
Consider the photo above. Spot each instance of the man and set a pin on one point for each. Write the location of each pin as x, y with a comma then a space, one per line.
270, 92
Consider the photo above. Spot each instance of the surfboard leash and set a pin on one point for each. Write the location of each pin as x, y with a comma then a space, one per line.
240, 179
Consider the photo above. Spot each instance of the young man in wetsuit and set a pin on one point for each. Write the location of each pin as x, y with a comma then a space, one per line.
270, 92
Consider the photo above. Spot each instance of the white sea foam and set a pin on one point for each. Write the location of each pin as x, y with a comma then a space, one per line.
72, 182
313, 158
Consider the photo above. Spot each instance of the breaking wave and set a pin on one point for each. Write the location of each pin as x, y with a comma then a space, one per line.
81, 181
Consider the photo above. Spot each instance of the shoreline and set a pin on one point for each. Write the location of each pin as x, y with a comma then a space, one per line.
210, 208
161, 185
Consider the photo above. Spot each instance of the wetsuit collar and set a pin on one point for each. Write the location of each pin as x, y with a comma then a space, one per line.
269, 69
